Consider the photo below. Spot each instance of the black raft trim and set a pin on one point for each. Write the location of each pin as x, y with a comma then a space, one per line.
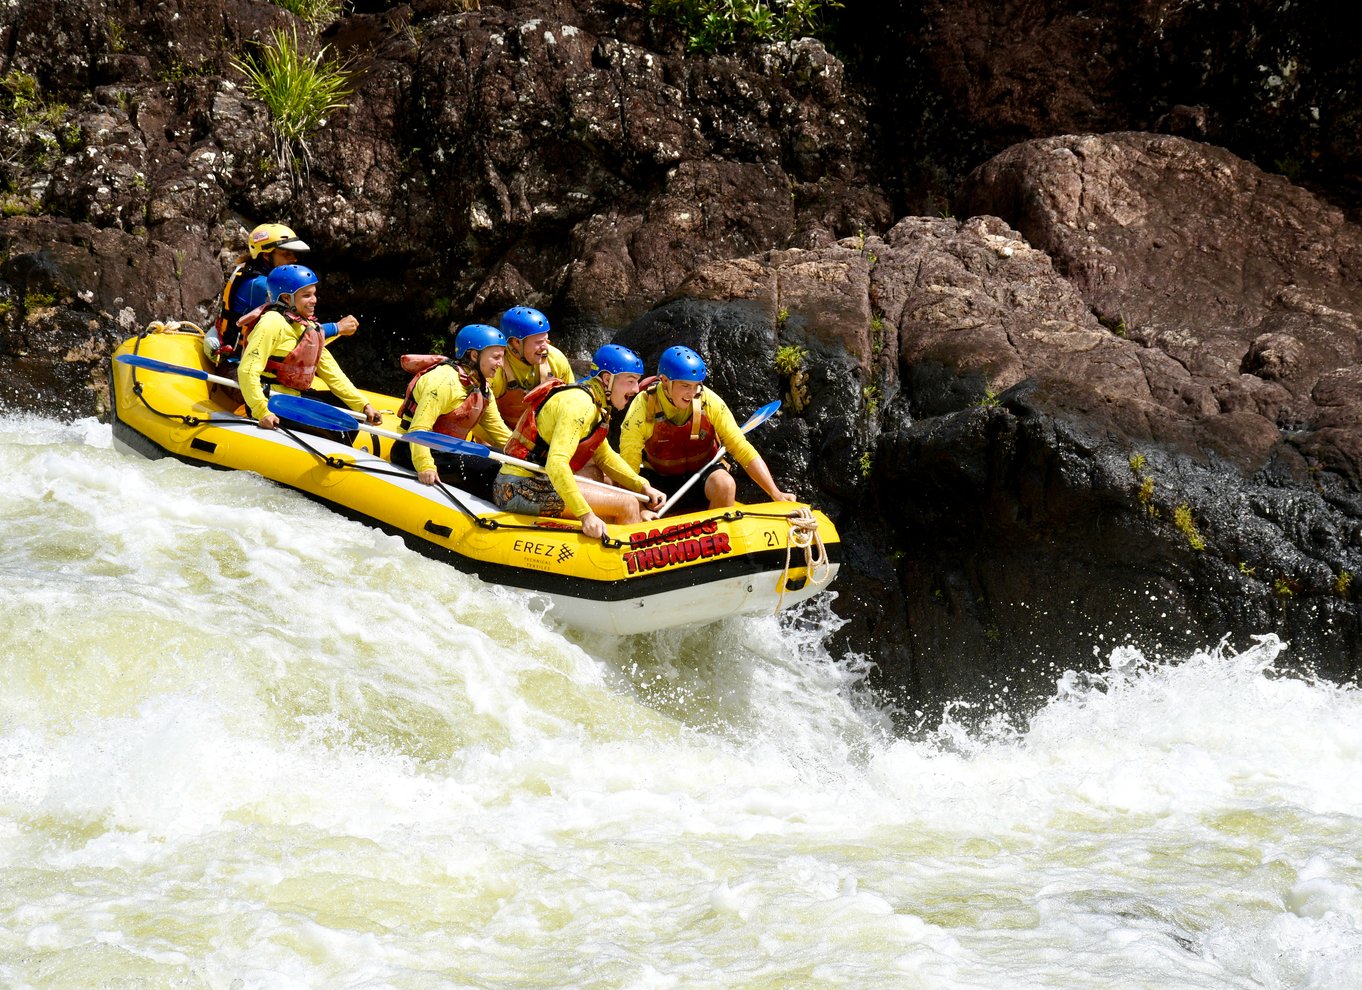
650, 583
760, 563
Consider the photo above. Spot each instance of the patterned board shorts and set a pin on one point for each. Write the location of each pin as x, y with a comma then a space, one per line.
532, 496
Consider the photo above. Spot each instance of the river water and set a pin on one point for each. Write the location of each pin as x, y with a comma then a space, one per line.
246, 743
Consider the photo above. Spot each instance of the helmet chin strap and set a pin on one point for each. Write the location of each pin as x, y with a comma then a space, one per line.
696, 406
608, 388
516, 346
291, 310
472, 361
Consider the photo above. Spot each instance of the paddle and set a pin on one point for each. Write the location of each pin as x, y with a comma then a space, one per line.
151, 364
318, 414
753, 421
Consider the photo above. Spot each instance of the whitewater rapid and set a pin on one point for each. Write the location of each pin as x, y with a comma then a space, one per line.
247, 743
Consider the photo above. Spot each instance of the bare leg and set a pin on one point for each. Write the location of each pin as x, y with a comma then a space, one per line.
613, 507
721, 489
595, 474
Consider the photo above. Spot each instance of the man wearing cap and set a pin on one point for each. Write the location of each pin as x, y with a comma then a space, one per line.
268, 246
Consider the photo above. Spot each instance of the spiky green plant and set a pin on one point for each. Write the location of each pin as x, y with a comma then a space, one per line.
299, 90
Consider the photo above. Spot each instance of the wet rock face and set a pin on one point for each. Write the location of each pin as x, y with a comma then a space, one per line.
529, 153
1239, 290
1151, 227
1045, 475
591, 168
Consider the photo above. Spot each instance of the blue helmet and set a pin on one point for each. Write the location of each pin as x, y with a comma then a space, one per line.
616, 359
522, 321
681, 364
287, 279
476, 336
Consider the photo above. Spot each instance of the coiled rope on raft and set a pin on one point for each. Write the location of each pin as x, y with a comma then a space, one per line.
804, 536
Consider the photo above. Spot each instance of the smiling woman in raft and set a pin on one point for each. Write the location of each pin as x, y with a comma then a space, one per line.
285, 351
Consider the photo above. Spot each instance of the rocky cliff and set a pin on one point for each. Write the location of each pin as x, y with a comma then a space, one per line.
1106, 390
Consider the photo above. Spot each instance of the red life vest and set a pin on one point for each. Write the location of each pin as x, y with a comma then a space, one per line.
462, 419
528, 445
682, 449
298, 367
512, 401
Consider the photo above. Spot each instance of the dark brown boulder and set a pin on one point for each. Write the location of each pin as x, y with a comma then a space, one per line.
1240, 289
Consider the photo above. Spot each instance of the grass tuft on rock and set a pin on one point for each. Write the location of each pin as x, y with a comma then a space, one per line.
300, 90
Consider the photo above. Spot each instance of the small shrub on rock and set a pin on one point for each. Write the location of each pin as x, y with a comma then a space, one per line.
711, 25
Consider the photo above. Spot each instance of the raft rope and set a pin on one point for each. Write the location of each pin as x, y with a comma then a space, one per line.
804, 536
157, 327
609, 542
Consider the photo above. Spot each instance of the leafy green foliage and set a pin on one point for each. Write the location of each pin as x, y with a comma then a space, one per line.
299, 90
440, 308
871, 394
15, 205
317, 13
1145, 493
789, 359
989, 401
711, 25
877, 335
34, 133
174, 70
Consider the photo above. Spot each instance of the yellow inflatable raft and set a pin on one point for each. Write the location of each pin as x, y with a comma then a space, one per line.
678, 570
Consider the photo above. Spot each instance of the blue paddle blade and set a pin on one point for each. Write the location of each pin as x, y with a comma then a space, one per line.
151, 364
761, 415
443, 441
310, 412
